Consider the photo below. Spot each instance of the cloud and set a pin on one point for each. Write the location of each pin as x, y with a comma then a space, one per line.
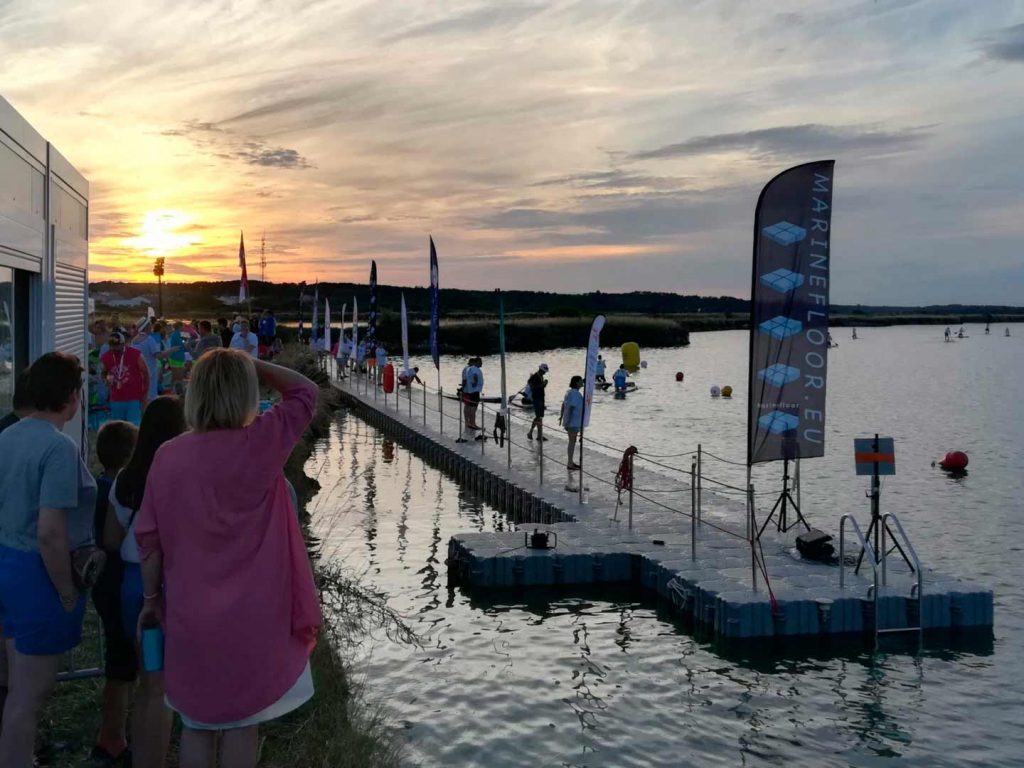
228, 145
790, 140
495, 18
1007, 44
275, 157
613, 180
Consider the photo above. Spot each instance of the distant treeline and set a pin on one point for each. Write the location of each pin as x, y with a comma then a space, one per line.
203, 298
283, 298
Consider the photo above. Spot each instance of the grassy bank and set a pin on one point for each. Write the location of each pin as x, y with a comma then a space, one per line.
337, 728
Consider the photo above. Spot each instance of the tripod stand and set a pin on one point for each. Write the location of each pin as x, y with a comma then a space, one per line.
875, 529
782, 504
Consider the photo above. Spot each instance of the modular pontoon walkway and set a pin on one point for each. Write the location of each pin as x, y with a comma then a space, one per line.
688, 543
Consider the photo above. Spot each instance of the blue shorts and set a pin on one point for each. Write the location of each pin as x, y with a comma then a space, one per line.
30, 609
131, 599
130, 411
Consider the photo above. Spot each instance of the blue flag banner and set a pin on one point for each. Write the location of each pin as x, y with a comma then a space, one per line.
789, 315
435, 349
371, 313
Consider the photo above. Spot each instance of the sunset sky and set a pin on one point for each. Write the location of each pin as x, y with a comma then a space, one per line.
569, 146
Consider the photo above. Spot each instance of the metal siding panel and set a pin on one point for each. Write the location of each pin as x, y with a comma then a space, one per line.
71, 308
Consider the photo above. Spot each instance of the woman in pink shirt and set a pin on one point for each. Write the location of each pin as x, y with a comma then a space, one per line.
224, 564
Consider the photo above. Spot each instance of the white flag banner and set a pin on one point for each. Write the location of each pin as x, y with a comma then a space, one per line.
341, 339
327, 325
593, 348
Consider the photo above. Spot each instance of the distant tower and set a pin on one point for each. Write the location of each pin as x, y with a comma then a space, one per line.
263, 257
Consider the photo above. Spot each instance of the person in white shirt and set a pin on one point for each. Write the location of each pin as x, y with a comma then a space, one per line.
246, 340
472, 386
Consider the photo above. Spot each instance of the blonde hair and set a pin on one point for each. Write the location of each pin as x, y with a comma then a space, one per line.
224, 392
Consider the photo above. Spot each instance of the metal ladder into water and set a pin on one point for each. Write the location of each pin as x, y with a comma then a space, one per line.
878, 567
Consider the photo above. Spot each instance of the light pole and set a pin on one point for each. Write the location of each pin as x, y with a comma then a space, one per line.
158, 270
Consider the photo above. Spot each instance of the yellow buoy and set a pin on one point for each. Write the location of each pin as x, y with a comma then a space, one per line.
631, 355
726, 391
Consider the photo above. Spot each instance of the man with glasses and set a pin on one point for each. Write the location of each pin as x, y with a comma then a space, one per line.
127, 377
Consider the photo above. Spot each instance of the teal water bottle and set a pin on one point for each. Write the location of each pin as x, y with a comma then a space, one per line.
152, 647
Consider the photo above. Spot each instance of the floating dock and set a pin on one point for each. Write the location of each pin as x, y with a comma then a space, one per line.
701, 564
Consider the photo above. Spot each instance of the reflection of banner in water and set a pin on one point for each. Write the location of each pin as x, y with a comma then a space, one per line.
593, 349
435, 349
405, 337
789, 315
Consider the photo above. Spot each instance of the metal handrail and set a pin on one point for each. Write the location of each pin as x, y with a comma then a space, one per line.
910, 548
864, 547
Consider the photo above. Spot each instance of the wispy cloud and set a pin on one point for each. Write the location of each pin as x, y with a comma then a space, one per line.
796, 140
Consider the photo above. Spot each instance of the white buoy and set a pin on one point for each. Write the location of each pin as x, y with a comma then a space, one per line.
715, 391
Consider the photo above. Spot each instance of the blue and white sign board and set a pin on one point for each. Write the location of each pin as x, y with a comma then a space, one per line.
871, 452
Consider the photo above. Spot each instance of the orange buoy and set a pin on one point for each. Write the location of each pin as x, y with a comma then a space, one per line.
389, 378
726, 391
954, 461
679, 375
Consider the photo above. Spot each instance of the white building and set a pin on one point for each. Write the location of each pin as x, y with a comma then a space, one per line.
44, 253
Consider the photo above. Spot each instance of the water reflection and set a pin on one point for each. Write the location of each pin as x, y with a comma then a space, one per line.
608, 678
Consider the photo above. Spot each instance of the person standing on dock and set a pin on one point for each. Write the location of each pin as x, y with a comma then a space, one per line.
536, 385
472, 386
571, 417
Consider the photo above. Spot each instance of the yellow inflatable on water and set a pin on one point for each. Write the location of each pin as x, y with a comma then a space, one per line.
631, 355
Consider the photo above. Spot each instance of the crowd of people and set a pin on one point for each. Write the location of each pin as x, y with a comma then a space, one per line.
131, 364
216, 568
533, 395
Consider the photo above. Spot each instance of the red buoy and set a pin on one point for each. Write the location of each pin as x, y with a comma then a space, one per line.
679, 375
954, 461
389, 378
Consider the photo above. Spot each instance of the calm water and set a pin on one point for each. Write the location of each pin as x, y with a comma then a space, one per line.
608, 679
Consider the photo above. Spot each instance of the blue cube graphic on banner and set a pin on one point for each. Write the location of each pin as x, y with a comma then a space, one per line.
778, 375
784, 233
783, 280
778, 422
780, 327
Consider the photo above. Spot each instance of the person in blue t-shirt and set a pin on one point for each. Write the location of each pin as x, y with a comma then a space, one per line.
47, 502
599, 371
620, 377
267, 327
571, 417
